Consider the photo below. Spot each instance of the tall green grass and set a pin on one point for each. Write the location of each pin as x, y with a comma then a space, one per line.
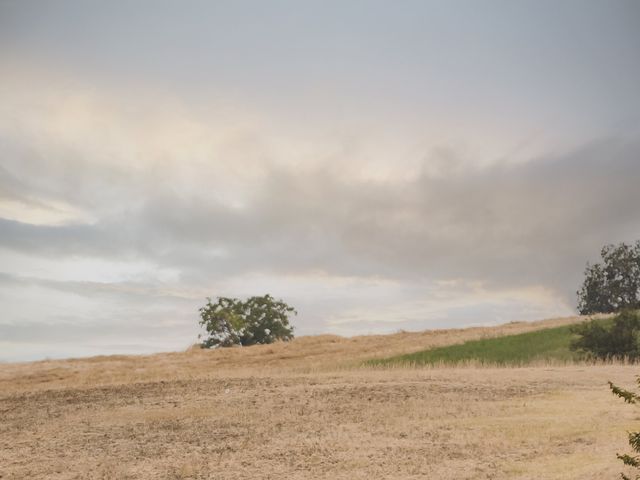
550, 344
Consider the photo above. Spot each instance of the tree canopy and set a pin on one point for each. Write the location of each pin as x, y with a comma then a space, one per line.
230, 321
613, 284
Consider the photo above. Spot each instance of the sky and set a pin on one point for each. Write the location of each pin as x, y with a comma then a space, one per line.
379, 165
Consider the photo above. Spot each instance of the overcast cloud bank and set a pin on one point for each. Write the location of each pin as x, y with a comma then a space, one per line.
125, 201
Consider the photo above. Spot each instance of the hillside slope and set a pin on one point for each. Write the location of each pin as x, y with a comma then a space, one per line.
311, 353
299, 411
548, 346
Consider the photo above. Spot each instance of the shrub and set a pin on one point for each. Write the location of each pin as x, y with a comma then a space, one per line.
616, 338
229, 321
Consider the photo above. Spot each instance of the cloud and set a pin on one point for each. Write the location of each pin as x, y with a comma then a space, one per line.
203, 204
531, 223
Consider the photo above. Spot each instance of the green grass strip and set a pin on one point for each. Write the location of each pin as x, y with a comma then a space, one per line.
550, 344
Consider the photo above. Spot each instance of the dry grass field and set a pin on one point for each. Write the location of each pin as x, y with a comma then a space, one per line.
308, 409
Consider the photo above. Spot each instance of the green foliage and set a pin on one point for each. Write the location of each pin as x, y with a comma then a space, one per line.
633, 437
546, 344
615, 338
614, 284
257, 320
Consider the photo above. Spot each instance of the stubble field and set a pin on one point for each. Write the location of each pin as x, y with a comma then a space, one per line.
308, 409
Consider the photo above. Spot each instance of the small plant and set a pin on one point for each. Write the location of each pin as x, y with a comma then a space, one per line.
617, 338
632, 461
257, 320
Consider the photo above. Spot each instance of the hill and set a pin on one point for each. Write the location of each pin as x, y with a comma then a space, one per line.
303, 354
308, 409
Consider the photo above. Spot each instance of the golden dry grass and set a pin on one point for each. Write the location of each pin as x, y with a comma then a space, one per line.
304, 354
306, 409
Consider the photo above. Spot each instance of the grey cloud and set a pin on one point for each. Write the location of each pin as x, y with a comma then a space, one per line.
10, 187
210, 144
535, 223
52, 240
139, 292
528, 224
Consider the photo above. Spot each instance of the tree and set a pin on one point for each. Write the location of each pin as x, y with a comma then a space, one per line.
257, 320
614, 284
616, 338
634, 437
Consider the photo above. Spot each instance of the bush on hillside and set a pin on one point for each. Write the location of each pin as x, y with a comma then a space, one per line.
614, 284
257, 320
617, 338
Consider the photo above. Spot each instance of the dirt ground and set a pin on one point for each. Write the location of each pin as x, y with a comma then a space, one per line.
269, 412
